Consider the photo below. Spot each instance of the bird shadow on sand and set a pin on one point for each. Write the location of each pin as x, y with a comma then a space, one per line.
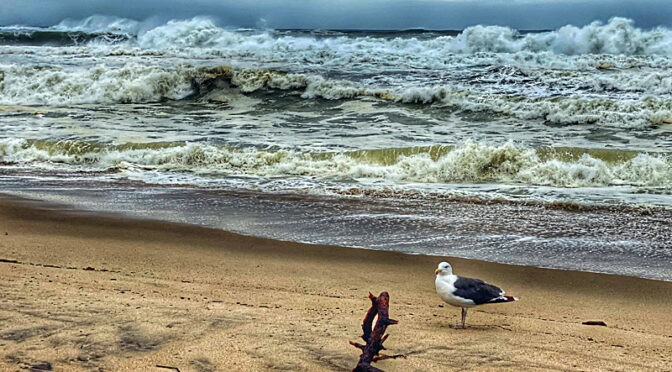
470, 327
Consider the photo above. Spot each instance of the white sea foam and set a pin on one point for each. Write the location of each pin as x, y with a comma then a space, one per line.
618, 36
53, 85
194, 33
625, 113
469, 162
618, 43
547, 64
137, 83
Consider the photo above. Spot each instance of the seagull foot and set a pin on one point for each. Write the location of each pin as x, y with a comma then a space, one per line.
457, 326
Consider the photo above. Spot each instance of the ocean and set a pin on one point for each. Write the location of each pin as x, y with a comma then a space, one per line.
547, 148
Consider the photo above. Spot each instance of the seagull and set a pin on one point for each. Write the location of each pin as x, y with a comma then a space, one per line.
466, 292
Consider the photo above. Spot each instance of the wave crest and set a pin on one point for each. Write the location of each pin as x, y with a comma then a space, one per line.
99, 24
618, 36
197, 32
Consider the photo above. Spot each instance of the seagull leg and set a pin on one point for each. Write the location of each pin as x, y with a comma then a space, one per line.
464, 316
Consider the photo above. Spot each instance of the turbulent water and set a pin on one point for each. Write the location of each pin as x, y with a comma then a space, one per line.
573, 122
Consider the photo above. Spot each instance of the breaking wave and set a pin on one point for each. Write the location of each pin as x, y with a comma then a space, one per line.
138, 83
469, 162
98, 28
133, 83
617, 37
623, 113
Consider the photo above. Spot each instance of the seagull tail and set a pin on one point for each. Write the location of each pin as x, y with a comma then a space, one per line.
504, 299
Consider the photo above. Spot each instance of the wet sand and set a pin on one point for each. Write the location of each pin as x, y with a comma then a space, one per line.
203, 300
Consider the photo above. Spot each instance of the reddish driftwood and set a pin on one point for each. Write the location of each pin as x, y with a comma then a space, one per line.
375, 337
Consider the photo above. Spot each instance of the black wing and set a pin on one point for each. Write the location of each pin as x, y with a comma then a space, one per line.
476, 290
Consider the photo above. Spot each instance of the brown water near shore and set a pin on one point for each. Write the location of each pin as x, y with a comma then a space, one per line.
203, 300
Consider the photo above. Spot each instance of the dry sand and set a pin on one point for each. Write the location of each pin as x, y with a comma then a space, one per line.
205, 300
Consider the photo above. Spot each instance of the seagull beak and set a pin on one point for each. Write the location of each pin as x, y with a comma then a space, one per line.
436, 271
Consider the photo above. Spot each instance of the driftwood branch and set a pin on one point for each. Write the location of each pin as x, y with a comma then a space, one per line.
375, 336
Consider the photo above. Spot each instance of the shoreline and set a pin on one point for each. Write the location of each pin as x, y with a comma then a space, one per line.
57, 209
573, 240
204, 299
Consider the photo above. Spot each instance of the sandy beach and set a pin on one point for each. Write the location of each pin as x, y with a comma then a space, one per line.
200, 299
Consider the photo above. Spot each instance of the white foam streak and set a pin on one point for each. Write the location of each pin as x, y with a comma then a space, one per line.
470, 162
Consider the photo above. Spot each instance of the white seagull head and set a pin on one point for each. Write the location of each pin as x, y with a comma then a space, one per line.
444, 269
